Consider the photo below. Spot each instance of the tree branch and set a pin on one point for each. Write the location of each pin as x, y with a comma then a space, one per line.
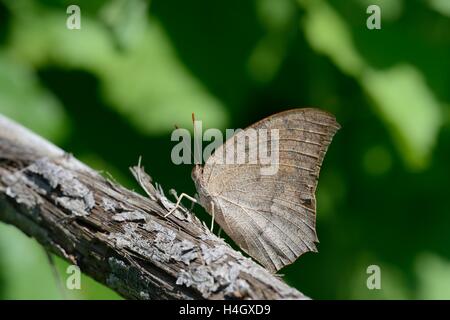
116, 236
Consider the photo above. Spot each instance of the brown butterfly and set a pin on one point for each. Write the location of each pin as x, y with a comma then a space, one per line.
271, 217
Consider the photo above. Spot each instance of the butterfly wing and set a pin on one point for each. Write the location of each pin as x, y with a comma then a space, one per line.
273, 216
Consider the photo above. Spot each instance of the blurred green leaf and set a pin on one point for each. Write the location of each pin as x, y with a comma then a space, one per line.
24, 264
146, 82
38, 109
390, 9
433, 273
329, 34
377, 160
28, 274
278, 18
393, 284
410, 109
441, 6
405, 103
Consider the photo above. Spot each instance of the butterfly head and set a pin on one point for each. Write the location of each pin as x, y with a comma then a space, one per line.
197, 174
204, 197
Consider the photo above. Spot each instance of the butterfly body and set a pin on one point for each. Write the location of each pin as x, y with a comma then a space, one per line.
205, 198
271, 215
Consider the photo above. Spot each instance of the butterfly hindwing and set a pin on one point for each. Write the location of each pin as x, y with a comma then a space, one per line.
273, 217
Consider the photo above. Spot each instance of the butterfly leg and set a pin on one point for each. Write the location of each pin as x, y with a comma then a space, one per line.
178, 203
212, 214
193, 203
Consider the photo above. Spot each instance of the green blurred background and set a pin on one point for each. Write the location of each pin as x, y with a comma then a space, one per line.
113, 91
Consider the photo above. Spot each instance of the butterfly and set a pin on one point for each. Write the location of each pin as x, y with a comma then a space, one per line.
272, 217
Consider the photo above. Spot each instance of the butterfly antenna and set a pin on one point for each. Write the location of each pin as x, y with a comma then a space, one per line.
197, 146
190, 150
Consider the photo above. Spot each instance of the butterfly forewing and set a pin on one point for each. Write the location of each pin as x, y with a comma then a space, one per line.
272, 216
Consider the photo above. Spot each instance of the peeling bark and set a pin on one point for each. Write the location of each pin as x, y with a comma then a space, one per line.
116, 236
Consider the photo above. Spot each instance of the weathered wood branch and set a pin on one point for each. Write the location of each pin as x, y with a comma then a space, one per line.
116, 236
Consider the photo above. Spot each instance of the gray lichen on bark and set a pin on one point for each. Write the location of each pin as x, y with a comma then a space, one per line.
50, 180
